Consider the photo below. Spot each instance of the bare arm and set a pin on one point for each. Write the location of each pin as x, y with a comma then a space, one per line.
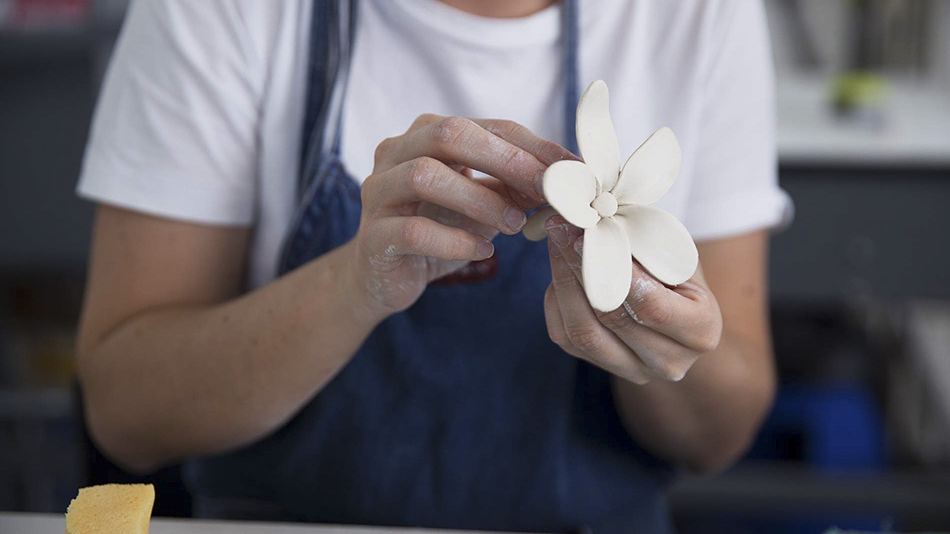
715, 326
708, 419
171, 360
175, 362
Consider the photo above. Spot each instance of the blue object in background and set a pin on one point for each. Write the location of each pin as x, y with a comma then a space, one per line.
834, 426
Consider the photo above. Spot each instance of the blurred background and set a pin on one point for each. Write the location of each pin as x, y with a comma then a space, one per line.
859, 437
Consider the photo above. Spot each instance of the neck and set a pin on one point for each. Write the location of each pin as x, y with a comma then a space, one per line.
502, 9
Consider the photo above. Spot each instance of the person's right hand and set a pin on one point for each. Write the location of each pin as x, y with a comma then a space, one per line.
425, 216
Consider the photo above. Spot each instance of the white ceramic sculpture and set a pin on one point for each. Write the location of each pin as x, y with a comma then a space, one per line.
612, 205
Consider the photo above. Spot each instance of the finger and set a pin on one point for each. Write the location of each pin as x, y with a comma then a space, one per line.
688, 319
424, 120
421, 236
554, 322
456, 140
546, 151
564, 234
382, 160
432, 181
585, 336
687, 314
662, 355
454, 219
522, 137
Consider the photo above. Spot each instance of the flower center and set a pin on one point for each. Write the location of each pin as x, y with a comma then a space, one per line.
605, 204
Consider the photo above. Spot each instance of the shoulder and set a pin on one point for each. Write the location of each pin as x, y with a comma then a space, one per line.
676, 26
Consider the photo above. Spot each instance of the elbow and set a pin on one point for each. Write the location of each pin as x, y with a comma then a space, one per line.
716, 459
119, 451
111, 426
117, 442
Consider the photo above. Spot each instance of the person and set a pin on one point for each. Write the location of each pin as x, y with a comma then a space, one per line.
306, 279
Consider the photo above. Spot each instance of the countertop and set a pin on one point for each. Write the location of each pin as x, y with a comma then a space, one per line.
915, 130
21, 523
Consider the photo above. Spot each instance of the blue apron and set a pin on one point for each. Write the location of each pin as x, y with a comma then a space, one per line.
456, 413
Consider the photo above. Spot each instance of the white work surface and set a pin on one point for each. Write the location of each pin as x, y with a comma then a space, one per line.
20, 523
916, 129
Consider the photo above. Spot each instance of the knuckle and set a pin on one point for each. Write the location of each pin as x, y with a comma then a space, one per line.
673, 369
424, 120
450, 129
585, 337
558, 337
640, 379
422, 172
709, 341
383, 149
618, 320
652, 311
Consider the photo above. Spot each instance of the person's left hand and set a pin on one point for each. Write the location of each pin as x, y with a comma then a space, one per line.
659, 332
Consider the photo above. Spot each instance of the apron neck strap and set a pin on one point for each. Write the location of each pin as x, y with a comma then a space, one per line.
332, 34
570, 39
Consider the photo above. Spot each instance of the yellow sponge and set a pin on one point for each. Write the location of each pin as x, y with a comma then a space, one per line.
111, 509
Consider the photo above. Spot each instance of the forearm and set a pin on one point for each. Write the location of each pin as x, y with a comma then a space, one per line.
709, 418
182, 381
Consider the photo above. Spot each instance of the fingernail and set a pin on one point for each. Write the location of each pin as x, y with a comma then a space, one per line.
514, 218
539, 185
485, 250
579, 245
559, 234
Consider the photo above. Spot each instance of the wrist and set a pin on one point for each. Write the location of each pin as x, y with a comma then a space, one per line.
353, 295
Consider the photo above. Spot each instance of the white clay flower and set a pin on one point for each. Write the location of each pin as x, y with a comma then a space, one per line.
612, 205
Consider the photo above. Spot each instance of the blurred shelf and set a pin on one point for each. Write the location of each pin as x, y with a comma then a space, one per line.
915, 131
26, 45
35, 403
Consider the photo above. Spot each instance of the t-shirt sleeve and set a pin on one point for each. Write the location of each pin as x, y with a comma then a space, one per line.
175, 128
735, 189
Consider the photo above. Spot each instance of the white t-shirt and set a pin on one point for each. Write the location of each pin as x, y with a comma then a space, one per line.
200, 115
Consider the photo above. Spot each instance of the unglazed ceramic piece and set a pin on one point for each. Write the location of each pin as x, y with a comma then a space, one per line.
612, 205
596, 138
534, 228
571, 187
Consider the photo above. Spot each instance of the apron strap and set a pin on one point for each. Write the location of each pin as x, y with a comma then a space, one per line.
332, 34
570, 36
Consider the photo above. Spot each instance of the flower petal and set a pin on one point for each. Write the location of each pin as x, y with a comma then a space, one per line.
533, 229
659, 242
596, 138
651, 169
570, 187
606, 265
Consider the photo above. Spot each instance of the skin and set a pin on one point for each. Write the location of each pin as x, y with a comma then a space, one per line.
176, 361
704, 419
500, 8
